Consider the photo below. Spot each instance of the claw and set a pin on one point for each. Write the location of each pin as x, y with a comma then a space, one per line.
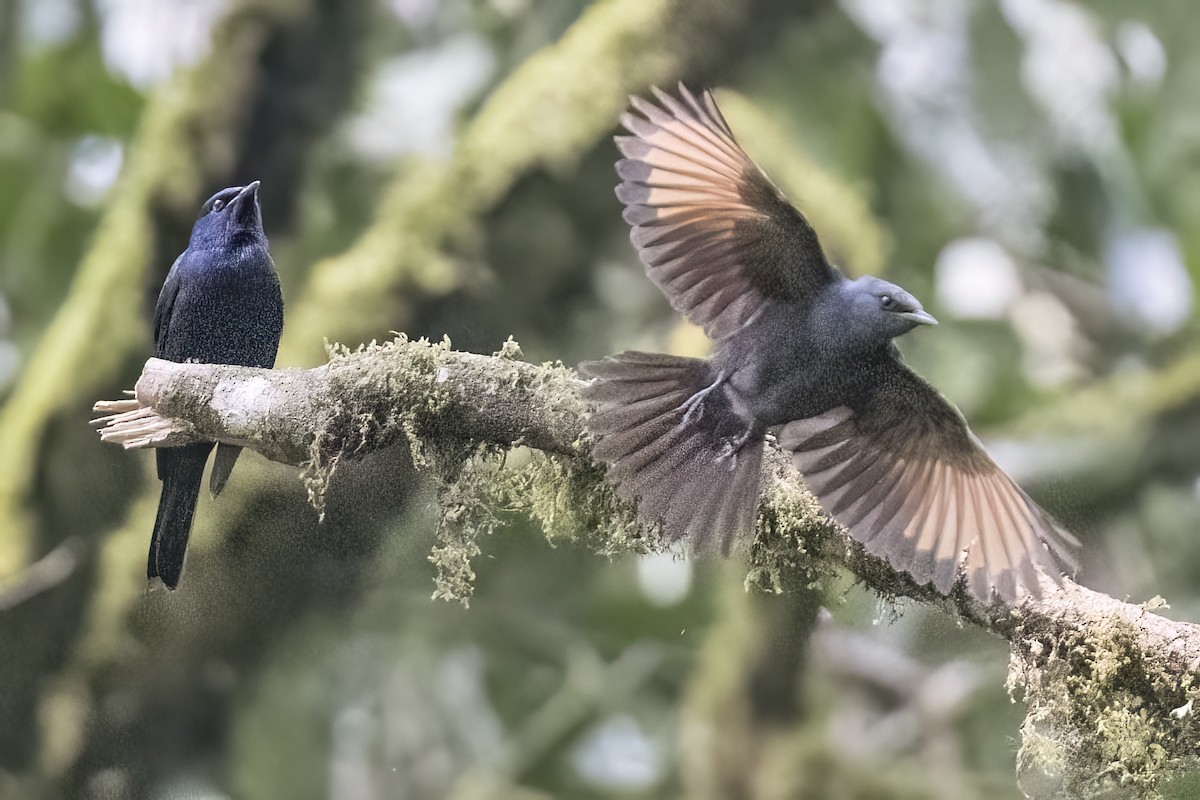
729, 451
693, 407
732, 447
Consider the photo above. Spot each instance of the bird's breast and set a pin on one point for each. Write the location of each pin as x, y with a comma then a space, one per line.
227, 312
777, 373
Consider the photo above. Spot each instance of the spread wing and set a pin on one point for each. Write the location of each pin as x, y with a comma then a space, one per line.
713, 232
903, 472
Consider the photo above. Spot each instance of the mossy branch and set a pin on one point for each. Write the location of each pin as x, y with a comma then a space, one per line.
1109, 685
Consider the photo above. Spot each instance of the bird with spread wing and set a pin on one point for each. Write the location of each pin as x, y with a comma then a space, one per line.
800, 351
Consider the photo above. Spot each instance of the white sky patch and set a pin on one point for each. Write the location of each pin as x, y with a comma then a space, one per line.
45, 23
511, 8
355, 730
415, 13
616, 754
1143, 53
413, 99
10, 355
462, 688
1068, 69
976, 278
1046, 459
193, 787
435, 715
10, 360
924, 76
145, 41
914, 61
664, 578
1047, 330
1147, 280
93, 169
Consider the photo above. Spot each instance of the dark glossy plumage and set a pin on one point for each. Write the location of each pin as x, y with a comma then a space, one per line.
220, 304
799, 350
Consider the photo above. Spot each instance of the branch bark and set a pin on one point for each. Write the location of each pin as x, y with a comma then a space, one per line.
1108, 684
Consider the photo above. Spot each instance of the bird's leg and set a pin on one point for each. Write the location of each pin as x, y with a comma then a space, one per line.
694, 405
733, 446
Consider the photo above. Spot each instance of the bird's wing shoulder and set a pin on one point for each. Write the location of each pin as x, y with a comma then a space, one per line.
898, 466
711, 229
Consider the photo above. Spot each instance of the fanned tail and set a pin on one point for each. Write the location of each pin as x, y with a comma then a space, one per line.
673, 445
181, 470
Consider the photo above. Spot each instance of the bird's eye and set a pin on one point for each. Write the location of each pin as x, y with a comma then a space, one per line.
218, 205
888, 302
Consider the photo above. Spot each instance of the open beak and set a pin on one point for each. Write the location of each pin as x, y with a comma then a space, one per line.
919, 317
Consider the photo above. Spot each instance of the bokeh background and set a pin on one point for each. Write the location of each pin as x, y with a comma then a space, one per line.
1028, 168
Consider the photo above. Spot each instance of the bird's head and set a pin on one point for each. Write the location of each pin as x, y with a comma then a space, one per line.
230, 217
881, 311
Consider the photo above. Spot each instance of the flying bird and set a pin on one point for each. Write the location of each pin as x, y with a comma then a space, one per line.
220, 304
800, 351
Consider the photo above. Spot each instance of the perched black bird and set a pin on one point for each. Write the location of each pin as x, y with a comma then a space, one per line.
220, 304
804, 352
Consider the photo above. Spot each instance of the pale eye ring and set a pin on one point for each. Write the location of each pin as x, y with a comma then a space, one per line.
218, 205
888, 302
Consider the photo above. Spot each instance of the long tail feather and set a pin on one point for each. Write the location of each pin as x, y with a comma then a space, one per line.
227, 456
182, 472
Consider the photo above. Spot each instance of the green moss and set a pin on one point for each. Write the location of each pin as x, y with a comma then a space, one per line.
401, 368
1097, 724
570, 498
466, 512
789, 525
566, 496
477, 482
408, 370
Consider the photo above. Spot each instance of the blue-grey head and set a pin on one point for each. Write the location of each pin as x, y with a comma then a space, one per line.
229, 218
880, 311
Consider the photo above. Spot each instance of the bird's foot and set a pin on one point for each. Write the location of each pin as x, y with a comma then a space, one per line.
693, 407
731, 448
